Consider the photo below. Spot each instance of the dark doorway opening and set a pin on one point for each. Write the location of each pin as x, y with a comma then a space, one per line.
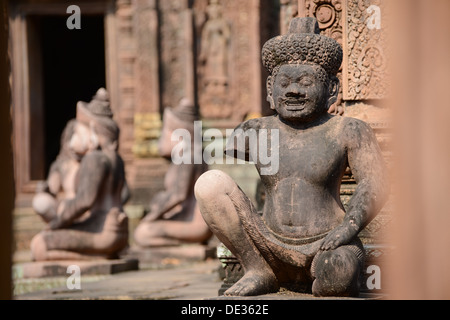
73, 69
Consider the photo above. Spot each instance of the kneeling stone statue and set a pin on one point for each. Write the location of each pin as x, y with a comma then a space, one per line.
89, 223
304, 240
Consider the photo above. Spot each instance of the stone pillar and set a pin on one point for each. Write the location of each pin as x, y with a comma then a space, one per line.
6, 163
147, 116
126, 77
421, 111
176, 56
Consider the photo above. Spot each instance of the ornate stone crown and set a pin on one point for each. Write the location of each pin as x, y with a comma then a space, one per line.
303, 45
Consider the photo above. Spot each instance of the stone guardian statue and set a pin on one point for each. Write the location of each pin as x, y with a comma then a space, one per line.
89, 223
174, 216
304, 240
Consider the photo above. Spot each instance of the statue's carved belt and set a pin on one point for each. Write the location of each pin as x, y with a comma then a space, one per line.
296, 242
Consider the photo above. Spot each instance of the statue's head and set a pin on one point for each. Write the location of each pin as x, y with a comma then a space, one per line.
95, 127
182, 116
303, 64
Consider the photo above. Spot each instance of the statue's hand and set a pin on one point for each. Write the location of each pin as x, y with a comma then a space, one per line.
340, 235
154, 213
55, 223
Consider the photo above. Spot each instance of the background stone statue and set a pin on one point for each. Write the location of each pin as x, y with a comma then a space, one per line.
304, 240
174, 216
89, 222
214, 47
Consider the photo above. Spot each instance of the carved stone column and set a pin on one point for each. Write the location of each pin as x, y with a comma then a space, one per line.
176, 45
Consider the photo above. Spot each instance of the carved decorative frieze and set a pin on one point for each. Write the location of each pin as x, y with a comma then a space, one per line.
329, 16
365, 44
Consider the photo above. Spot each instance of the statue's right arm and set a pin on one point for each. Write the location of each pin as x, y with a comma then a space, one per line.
93, 170
238, 145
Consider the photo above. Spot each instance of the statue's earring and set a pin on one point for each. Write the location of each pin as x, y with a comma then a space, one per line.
333, 91
269, 92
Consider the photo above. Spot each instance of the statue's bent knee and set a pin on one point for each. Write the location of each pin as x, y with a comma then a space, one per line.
211, 184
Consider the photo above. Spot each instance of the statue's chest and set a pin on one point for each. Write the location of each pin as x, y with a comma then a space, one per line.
312, 157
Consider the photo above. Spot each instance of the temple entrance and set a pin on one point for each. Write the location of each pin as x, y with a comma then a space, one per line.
65, 66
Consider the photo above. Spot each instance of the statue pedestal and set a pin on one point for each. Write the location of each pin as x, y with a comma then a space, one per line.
170, 255
42, 269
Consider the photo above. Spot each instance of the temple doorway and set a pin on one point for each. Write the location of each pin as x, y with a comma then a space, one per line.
66, 66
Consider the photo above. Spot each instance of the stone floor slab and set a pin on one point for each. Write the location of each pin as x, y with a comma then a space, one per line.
151, 258
41, 269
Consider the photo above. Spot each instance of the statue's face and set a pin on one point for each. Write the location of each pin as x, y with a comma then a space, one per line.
80, 142
298, 94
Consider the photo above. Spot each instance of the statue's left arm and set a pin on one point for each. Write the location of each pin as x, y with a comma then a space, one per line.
94, 168
367, 165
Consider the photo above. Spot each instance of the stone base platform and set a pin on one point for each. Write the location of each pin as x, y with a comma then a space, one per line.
289, 295
42, 269
170, 255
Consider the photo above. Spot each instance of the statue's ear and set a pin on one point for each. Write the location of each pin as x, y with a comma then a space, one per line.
333, 90
269, 92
